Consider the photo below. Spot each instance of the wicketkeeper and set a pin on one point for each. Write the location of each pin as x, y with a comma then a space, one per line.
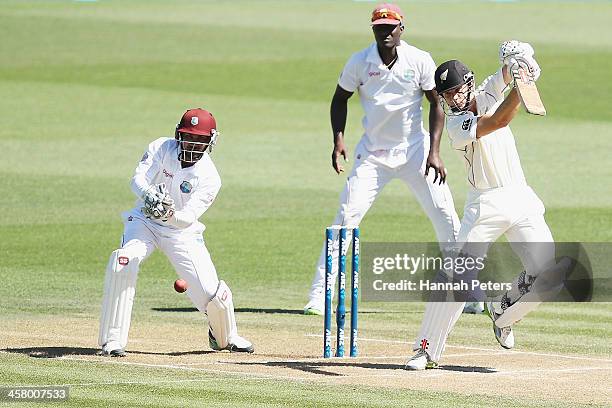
175, 182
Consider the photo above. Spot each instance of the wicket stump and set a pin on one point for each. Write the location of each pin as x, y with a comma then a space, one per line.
341, 307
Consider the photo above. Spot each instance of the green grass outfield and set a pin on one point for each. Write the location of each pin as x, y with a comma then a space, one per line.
84, 86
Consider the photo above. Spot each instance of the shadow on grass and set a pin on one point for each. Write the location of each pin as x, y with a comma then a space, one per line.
318, 367
56, 352
270, 311
468, 369
237, 310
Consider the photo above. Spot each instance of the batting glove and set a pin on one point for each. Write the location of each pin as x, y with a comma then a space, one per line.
529, 64
514, 49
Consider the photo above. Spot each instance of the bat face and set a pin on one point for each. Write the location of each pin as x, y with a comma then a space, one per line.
528, 92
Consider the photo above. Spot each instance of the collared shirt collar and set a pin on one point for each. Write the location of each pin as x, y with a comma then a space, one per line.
374, 57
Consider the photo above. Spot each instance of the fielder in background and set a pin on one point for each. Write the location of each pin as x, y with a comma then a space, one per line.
499, 202
391, 77
175, 182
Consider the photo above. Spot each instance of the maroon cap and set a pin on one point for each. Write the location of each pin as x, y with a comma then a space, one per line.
198, 122
387, 13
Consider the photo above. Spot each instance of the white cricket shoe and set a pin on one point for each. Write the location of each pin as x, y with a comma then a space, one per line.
420, 361
112, 349
504, 335
474, 308
236, 344
314, 307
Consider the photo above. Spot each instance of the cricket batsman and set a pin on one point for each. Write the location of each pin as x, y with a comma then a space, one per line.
500, 202
175, 183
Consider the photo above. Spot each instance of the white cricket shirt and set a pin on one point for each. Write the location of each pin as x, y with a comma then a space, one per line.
193, 188
491, 161
391, 99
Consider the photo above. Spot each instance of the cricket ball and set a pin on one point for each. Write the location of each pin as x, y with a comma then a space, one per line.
180, 285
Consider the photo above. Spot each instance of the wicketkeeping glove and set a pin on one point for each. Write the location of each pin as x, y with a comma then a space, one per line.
157, 203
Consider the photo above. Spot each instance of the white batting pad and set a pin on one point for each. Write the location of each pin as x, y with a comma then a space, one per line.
221, 319
438, 321
119, 289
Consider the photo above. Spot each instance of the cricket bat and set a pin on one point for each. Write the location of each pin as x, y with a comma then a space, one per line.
528, 92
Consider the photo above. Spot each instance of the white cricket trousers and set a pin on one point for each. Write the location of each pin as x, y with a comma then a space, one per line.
370, 173
186, 252
515, 212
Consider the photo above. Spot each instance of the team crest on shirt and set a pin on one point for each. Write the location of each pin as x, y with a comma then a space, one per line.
466, 124
186, 187
408, 74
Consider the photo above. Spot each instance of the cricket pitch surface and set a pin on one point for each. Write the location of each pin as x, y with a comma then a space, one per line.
294, 356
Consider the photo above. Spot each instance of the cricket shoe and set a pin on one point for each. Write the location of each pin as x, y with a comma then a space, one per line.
314, 308
474, 308
420, 361
236, 345
504, 335
112, 349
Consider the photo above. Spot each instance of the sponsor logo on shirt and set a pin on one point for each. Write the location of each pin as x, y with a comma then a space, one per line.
186, 187
209, 198
466, 124
167, 174
373, 73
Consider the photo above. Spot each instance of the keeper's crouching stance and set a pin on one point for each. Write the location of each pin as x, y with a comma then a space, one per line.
176, 182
